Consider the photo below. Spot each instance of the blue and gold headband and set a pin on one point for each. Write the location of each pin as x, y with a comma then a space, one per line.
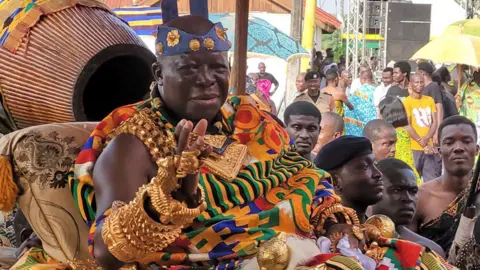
173, 41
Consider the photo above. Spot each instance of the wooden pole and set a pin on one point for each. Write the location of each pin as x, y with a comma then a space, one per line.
239, 72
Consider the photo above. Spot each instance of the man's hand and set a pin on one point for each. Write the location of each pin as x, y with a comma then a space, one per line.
435, 138
423, 141
183, 130
347, 229
429, 150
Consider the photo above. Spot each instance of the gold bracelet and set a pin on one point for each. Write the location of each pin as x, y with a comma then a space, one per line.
171, 210
130, 233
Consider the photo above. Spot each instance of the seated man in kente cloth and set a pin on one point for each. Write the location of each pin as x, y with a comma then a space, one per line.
190, 178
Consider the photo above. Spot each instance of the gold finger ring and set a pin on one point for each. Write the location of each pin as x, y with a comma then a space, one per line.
192, 138
189, 163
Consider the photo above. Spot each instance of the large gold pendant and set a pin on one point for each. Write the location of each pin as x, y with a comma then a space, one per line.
227, 157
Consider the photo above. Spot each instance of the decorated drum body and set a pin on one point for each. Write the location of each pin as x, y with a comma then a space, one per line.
67, 60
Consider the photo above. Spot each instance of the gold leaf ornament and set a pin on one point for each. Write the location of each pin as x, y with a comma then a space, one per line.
221, 33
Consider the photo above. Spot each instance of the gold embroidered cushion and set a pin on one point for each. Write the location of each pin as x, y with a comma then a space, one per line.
40, 157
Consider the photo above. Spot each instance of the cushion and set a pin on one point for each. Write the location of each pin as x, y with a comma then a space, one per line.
40, 157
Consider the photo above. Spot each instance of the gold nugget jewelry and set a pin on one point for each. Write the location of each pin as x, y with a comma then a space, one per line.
188, 163
130, 233
357, 232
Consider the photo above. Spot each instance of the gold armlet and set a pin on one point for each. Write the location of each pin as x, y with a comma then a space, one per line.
130, 233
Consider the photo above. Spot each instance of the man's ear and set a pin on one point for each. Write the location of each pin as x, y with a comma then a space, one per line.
337, 134
477, 150
157, 72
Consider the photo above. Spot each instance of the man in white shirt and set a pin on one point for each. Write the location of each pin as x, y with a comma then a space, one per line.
356, 84
381, 90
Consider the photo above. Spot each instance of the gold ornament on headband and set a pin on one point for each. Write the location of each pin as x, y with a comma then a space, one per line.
173, 38
159, 48
209, 43
194, 45
221, 33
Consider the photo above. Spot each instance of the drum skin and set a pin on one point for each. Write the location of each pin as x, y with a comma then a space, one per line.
45, 78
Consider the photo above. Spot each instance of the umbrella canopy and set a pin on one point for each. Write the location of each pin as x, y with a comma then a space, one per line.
452, 48
468, 27
263, 38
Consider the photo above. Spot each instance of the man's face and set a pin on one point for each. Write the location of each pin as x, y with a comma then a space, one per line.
360, 181
195, 85
417, 84
458, 148
387, 78
384, 147
262, 68
398, 76
399, 197
327, 133
313, 84
347, 78
303, 130
300, 83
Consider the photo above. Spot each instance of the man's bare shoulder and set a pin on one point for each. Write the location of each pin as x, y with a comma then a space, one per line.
427, 190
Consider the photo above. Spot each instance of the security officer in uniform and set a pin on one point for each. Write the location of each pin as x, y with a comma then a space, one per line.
323, 101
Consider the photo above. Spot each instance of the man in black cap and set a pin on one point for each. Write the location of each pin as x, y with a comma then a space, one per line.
323, 101
355, 177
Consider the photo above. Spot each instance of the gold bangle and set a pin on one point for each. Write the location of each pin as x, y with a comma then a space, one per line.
171, 210
130, 233
334, 239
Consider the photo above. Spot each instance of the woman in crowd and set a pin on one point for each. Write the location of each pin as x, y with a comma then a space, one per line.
392, 110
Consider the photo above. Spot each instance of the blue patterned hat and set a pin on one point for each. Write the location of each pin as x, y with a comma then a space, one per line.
173, 41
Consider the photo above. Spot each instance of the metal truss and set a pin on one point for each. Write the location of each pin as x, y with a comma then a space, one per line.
355, 38
382, 52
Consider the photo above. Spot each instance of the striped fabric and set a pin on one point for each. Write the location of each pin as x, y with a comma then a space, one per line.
277, 191
143, 20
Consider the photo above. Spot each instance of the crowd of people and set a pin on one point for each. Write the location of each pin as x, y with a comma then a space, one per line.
421, 145
356, 176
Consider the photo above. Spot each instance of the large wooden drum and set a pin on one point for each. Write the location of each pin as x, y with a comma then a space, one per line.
68, 60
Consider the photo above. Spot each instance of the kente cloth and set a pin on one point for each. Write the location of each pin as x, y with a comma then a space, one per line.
38, 259
399, 255
470, 103
442, 229
467, 257
340, 110
276, 191
18, 16
364, 112
404, 151
260, 104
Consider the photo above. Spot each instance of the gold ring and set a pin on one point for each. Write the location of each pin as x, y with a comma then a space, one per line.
189, 163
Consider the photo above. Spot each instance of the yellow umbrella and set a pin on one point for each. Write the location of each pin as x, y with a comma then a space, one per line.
452, 48
467, 27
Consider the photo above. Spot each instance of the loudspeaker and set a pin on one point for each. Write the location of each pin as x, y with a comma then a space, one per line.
408, 30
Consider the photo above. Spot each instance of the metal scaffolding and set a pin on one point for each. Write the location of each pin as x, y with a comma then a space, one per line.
382, 52
355, 30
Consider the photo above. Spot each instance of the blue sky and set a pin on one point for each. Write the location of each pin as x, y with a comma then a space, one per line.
332, 6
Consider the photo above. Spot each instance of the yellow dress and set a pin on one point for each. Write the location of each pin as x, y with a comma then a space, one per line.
339, 107
404, 151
